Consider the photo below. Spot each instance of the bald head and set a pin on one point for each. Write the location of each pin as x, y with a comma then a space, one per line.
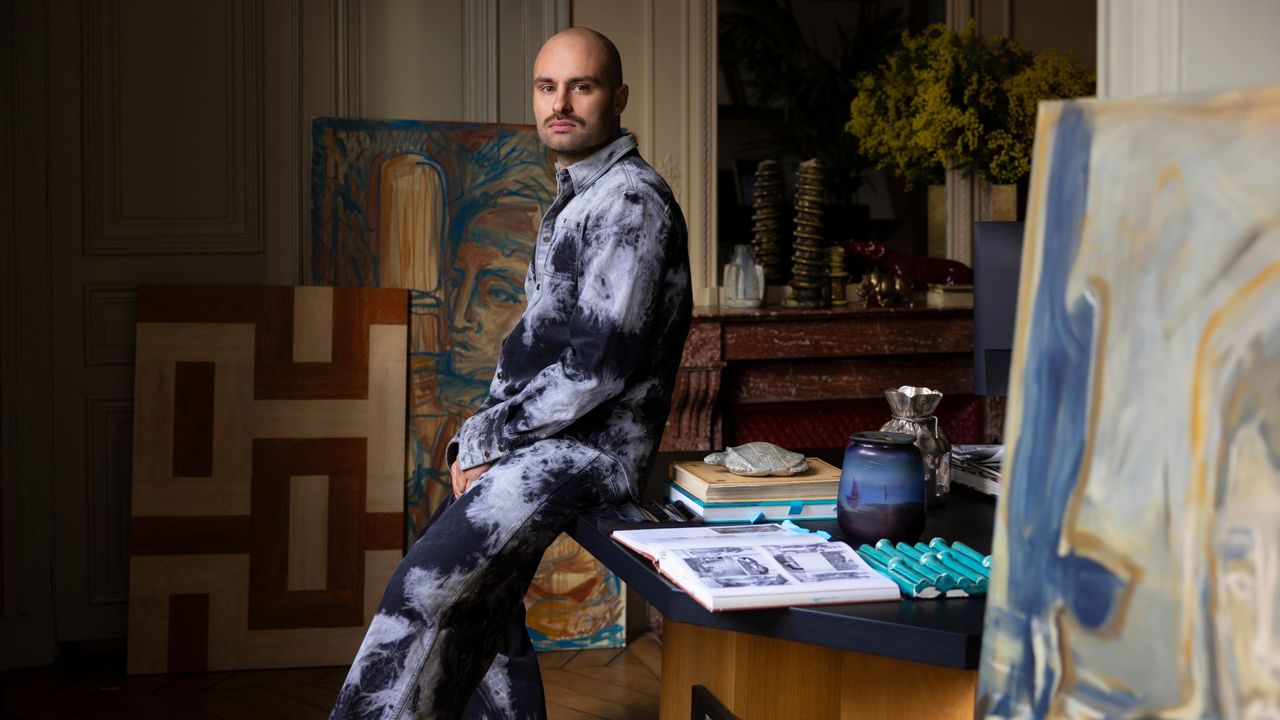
595, 44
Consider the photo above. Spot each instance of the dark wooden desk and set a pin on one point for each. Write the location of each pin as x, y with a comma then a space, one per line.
914, 658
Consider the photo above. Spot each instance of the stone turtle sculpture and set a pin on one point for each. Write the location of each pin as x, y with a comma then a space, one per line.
756, 459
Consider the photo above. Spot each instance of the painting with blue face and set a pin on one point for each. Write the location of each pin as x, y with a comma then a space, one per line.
485, 296
449, 211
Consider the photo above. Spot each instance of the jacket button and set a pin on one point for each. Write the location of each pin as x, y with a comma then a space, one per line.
501, 376
502, 448
546, 238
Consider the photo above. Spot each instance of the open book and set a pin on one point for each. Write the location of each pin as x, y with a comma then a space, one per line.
735, 567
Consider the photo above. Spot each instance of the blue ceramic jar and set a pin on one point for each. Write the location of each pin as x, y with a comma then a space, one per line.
881, 491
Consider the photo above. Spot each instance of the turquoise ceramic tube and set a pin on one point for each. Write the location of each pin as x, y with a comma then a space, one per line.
888, 548
908, 587
909, 569
909, 550
941, 579
879, 555
970, 563
983, 560
942, 573
948, 560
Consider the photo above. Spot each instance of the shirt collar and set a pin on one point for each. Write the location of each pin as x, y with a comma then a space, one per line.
588, 170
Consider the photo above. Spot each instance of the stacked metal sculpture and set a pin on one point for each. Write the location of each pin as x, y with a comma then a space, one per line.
767, 199
809, 273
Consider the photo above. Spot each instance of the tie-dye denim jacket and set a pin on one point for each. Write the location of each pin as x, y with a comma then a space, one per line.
594, 355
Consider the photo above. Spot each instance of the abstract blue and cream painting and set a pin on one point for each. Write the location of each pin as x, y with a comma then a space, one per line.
451, 212
1137, 546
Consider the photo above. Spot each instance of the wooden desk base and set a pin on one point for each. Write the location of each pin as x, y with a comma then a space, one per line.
761, 678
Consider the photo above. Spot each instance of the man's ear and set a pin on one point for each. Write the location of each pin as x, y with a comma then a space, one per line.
620, 99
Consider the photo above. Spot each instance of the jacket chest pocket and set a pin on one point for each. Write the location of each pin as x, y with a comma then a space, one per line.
555, 296
561, 253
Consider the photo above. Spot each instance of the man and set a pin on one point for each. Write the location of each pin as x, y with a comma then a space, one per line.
574, 414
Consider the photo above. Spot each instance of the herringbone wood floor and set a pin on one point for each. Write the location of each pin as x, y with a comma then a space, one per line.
580, 685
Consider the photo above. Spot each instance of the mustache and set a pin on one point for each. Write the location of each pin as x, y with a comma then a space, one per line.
564, 118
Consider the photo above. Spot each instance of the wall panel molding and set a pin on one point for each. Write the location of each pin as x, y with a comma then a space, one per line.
968, 198
26, 519
665, 165
109, 462
348, 53
539, 20
126, 162
1140, 47
480, 62
285, 141
297, 224
669, 51
556, 16
109, 314
701, 144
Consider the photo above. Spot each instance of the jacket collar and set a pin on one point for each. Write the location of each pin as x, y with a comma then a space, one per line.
588, 170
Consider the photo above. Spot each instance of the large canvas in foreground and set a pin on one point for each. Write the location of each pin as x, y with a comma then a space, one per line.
267, 474
1138, 545
451, 211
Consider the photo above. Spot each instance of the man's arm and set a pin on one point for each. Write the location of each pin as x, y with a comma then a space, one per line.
619, 284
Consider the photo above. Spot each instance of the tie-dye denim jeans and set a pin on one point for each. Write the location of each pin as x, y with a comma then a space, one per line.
432, 650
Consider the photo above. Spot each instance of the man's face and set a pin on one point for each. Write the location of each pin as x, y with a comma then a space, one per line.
574, 104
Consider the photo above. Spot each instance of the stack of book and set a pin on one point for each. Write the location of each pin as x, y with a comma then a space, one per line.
978, 467
718, 496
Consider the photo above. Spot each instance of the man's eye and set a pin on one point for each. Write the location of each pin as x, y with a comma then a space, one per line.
582, 87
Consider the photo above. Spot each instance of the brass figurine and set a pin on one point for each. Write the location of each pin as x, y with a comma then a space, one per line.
838, 276
881, 289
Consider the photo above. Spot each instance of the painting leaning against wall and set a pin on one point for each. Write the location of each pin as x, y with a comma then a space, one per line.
451, 211
1137, 549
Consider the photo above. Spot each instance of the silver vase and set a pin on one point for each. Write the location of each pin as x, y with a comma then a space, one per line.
913, 414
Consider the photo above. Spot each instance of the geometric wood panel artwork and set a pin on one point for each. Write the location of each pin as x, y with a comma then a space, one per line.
451, 211
268, 473
1137, 545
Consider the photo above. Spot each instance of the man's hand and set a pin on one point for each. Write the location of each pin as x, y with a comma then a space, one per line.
462, 479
